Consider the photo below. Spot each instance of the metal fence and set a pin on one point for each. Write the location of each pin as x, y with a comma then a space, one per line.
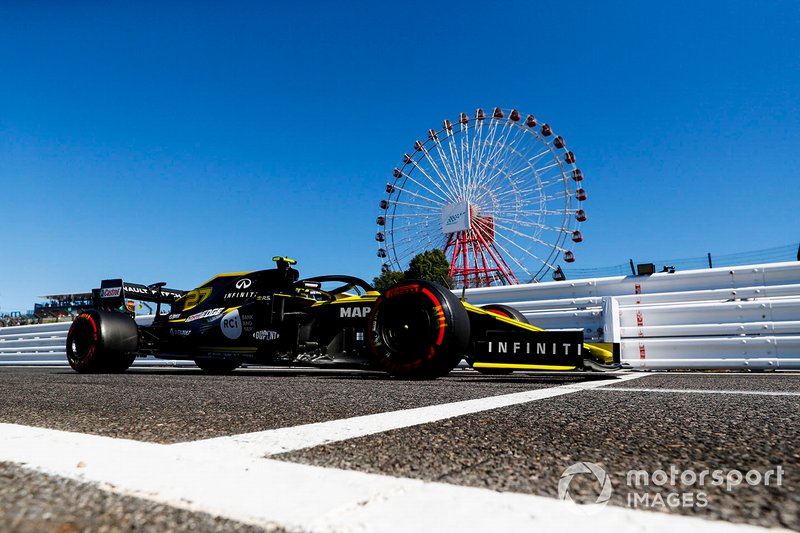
788, 252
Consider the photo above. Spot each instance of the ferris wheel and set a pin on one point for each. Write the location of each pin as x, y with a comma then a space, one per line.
499, 193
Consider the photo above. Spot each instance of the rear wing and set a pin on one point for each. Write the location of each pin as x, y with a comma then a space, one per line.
115, 292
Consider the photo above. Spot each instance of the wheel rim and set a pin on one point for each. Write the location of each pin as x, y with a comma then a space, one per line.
83, 339
406, 334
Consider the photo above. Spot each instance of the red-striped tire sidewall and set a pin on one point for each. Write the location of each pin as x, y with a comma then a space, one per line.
84, 320
448, 334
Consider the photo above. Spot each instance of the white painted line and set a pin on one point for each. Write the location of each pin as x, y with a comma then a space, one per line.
735, 373
275, 441
703, 391
269, 493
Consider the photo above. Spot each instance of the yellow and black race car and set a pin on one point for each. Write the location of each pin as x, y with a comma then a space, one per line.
416, 329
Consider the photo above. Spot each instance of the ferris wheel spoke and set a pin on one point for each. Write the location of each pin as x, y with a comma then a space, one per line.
496, 257
556, 207
547, 167
467, 149
448, 194
409, 204
413, 242
498, 171
546, 184
422, 186
401, 213
515, 260
489, 149
475, 153
520, 193
532, 160
528, 211
507, 167
410, 246
446, 163
413, 194
531, 196
407, 236
444, 178
543, 212
486, 152
464, 151
495, 185
411, 232
525, 224
512, 231
511, 168
410, 221
407, 250
496, 147
527, 252
529, 162
455, 158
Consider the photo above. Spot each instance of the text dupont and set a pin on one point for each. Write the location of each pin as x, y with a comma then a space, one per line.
537, 348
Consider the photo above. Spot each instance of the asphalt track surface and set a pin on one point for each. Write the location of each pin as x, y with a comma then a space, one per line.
491, 447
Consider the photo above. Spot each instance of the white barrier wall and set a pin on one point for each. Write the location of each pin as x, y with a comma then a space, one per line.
737, 317
37, 344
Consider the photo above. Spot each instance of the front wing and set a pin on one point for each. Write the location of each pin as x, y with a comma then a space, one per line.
501, 342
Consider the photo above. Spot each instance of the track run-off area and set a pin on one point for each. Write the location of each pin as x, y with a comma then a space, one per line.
309, 450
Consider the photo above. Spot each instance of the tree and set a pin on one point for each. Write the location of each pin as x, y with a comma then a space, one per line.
431, 265
387, 279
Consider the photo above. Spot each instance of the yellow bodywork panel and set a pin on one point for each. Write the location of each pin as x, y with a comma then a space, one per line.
521, 367
344, 298
196, 296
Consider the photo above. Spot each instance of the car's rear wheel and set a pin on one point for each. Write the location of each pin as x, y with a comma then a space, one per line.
217, 365
508, 312
418, 330
102, 341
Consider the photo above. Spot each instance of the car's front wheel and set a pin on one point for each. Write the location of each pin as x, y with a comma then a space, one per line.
418, 330
506, 311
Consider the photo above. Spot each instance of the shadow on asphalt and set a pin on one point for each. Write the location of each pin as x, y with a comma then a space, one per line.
467, 376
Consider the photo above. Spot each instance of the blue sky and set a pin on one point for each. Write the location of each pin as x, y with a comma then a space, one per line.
174, 140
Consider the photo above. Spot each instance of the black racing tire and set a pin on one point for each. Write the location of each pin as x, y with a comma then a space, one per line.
102, 341
508, 312
217, 365
418, 330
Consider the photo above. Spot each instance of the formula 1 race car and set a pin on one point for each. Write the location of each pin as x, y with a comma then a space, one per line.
416, 329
